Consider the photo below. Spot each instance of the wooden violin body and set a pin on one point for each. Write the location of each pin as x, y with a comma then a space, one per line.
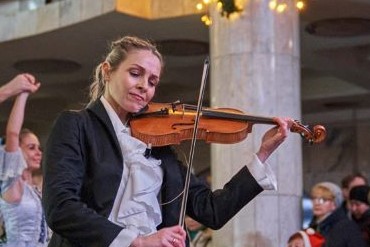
161, 124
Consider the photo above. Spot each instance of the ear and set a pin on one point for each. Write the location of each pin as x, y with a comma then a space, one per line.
105, 67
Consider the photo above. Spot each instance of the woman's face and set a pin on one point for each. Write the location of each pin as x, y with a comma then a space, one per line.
322, 205
132, 85
32, 153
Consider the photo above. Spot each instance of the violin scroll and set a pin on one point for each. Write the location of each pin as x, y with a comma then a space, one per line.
317, 135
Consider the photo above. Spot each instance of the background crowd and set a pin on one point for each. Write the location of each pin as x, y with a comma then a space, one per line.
341, 215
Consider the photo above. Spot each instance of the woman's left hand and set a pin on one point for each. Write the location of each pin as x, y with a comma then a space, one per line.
274, 137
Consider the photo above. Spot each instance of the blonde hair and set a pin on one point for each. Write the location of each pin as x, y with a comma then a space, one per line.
330, 191
322, 191
118, 53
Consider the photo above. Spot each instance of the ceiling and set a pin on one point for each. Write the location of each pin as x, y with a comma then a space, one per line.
335, 54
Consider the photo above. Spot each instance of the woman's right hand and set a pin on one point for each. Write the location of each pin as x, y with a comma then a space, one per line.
167, 237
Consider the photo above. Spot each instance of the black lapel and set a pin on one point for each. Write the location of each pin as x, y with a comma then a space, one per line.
97, 109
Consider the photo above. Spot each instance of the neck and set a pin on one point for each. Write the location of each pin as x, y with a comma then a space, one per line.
122, 114
322, 217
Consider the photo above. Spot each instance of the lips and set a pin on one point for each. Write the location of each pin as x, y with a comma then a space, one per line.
137, 97
37, 160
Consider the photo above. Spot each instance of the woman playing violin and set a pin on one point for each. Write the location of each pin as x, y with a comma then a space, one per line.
102, 188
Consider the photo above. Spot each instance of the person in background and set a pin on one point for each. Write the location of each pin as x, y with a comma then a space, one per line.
347, 183
329, 219
360, 209
306, 238
20, 83
20, 201
103, 187
200, 236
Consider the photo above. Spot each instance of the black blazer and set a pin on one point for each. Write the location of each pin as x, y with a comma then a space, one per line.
82, 172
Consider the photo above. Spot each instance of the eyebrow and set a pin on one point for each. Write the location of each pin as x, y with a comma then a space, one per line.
143, 68
33, 144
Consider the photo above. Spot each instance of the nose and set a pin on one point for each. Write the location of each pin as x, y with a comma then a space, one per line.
142, 84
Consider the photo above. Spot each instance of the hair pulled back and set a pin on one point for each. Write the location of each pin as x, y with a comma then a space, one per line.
118, 53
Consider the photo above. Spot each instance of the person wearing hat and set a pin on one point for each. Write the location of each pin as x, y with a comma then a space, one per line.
347, 183
330, 220
360, 209
306, 238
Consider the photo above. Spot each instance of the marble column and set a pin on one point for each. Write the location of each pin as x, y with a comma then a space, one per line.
255, 67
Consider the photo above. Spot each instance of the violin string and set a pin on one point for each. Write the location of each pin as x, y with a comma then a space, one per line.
228, 115
174, 199
178, 151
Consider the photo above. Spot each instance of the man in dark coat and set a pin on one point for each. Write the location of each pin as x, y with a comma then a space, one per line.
360, 209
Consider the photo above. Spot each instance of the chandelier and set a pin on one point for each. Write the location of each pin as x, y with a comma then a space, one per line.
229, 9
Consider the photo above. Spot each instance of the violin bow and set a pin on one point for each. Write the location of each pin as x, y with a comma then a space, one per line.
193, 141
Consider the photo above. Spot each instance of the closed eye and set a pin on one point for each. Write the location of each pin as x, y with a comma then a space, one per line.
153, 83
134, 74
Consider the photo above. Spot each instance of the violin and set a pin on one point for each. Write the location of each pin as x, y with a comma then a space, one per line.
161, 124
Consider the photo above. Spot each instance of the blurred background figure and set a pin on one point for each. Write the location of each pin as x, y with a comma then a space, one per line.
20, 83
360, 209
330, 220
200, 236
306, 238
20, 200
347, 183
